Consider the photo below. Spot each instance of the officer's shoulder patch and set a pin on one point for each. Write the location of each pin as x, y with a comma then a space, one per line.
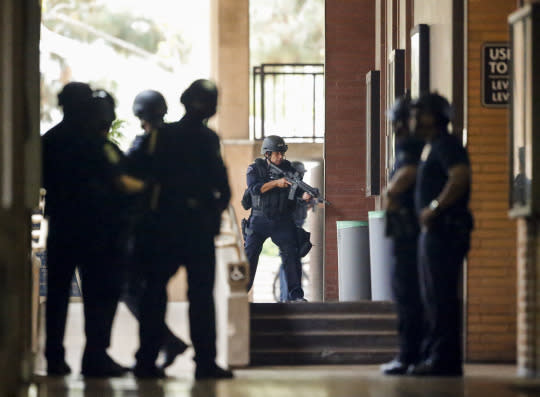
111, 154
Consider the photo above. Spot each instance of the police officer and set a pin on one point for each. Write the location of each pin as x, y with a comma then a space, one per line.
272, 215
65, 239
149, 107
441, 199
102, 268
191, 191
402, 228
299, 217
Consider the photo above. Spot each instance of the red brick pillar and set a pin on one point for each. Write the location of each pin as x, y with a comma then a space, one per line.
350, 54
528, 261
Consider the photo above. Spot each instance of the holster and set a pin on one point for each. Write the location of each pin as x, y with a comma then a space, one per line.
304, 244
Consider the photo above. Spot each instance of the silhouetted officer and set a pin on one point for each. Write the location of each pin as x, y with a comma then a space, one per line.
102, 270
150, 107
66, 238
441, 199
190, 193
402, 227
272, 215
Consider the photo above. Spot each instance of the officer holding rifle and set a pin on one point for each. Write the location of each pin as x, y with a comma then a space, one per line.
273, 189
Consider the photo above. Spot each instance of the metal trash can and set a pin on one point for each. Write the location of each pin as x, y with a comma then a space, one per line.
380, 249
353, 261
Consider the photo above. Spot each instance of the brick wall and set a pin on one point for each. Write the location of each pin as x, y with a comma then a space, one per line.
491, 269
350, 54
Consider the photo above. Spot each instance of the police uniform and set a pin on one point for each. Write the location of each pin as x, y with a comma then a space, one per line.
441, 250
299, 217
183, 216
272, 216
402, 228
82, 203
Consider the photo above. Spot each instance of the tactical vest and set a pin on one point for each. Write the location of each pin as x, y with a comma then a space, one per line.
272, 204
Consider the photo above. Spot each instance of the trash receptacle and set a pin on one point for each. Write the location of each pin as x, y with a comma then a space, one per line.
353, 260
380, 249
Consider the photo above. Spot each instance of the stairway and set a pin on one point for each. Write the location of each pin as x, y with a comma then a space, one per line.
322, 333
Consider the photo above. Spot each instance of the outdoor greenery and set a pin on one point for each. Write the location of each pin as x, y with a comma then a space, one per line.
91, 20
286, 31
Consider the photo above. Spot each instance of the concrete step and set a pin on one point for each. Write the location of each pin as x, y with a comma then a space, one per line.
362, 307
327, 322
323, 333
327, 356
324, 339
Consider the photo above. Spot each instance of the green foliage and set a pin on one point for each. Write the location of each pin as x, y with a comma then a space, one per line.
116, 134
286, 31
90, 20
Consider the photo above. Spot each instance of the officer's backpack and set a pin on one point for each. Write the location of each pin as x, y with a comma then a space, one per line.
247, 199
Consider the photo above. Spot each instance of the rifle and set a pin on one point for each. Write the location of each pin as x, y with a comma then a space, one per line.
296, 182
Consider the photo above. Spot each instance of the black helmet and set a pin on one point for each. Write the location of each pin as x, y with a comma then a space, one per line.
401, 109
200, 98
102, 110
74, 97
436, 105
149, 105
273, 143
299, 167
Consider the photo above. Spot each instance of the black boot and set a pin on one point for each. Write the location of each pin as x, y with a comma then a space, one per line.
212, 372
172, 350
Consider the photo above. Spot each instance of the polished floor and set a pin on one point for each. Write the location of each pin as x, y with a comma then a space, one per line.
319, 381
305, 381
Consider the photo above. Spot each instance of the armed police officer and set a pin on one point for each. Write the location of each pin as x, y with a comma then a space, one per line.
402, 228
190, 192
150, 107
272, 215
441, 199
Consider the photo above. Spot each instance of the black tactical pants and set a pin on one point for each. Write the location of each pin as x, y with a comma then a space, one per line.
131, 296
61, 264
101, 277
406, 290
441, 258
200, 267
101, 280
283, 234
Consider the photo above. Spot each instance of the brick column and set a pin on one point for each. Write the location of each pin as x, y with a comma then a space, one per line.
350, 54
528, 299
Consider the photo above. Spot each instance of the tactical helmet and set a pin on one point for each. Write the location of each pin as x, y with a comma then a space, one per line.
200, 98
299, 167
436, 105
74, 97
102, 109
273, 143
149, 105
401, 109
